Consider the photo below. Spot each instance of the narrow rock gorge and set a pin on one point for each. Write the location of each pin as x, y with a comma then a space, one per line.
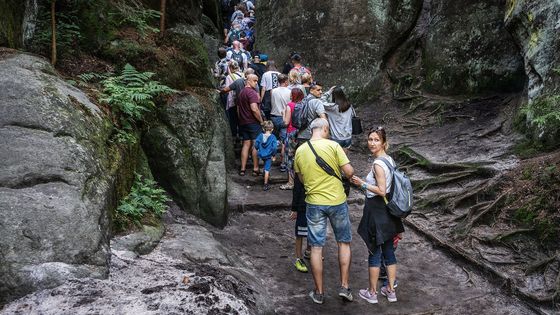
119, 190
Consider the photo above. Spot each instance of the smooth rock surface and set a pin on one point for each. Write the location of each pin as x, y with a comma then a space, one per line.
457, 47
188, 153
55, 180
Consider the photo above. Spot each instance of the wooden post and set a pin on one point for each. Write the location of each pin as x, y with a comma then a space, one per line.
162, 17
53, 29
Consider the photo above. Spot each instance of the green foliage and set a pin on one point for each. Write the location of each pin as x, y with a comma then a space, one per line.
544, 112
68, 34
540, 212
132, 94
125, 136
133, 13
145, 198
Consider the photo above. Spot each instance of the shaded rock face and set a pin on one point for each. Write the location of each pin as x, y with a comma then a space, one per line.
188, 153
535, 26
55, 180
445, 47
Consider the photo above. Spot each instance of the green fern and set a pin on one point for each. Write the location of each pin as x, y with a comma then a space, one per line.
131, 94
145, 198
133, 13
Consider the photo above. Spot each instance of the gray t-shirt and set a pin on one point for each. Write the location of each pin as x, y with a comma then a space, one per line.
280, 98
314, 110
340, 123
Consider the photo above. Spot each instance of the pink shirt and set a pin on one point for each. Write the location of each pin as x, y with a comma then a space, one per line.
291, 128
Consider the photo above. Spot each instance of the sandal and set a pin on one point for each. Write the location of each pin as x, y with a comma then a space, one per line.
256, 173
242, 173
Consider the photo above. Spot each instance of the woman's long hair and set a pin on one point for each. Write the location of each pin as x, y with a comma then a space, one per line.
339, 98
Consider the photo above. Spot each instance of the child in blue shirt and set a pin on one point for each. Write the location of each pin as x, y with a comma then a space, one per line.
266, 146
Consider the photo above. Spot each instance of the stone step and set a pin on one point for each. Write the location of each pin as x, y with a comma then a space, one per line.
251, 197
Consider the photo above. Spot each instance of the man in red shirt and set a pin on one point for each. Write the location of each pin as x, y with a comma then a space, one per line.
250, 121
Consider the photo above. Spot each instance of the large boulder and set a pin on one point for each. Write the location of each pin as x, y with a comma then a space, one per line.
444, 47
55, 179
189, 151
535, 26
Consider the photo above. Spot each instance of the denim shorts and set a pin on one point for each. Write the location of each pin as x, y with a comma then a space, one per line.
250, 131
344, 143
267, 164
317, 224
387, 251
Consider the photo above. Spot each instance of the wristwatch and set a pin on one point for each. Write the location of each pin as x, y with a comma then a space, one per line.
364, 186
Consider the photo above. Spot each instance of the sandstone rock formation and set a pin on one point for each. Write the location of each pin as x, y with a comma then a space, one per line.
56, 179
188, 153
457, 47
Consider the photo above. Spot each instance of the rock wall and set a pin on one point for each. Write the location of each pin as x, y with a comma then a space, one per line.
444, 47
188, 152
535, 26
56, 179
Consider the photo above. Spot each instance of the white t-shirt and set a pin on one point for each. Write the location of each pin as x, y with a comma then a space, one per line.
370, 178
280, 98
269, 80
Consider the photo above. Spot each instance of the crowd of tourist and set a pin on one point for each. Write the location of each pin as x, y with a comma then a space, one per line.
286, 115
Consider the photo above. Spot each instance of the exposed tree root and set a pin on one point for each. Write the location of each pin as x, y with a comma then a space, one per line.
413, 157
490, 131
469, 277
473, 218
448, 178
472, 209
474, 192
541, 264
500, 237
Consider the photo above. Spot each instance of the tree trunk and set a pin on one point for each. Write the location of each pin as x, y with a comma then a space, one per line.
162, 17
53, 29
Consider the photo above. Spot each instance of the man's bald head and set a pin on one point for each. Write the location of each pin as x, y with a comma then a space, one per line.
252, 80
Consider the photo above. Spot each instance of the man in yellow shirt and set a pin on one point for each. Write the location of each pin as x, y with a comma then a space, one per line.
325, 198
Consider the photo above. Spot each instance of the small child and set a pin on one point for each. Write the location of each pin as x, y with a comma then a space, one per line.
266, 146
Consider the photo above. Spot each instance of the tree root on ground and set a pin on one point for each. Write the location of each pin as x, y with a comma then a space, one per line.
500, 237
413, 157
541, 264
474, 216
446, 179
469, 277
484, 186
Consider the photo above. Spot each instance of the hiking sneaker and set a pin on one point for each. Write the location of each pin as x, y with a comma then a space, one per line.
283, 168
266, 187
391, 296
345, 294
300, 265
386, 283
307, 254
368, 296
316, 297
287, 187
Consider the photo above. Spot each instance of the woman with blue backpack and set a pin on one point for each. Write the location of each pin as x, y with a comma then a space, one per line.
377, 226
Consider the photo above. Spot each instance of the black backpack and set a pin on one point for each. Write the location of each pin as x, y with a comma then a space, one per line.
238, 57
300, 116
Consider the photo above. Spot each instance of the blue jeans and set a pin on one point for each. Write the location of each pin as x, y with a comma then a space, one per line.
387, 250
279, 127
317, 223
344, 143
